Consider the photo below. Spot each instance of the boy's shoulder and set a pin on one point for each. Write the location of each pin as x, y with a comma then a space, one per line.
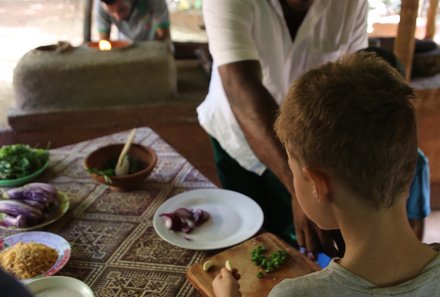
335, 280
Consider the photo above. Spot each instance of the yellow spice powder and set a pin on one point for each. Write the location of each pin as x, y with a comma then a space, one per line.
27, 260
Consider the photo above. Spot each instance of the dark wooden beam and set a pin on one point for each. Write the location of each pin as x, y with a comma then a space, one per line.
87, 23
405, 39
430, 22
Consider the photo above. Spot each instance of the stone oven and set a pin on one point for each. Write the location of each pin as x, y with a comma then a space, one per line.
61, 77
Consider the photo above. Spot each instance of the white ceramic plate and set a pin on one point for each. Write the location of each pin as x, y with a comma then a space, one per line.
234, 218
49, 239
59, 286
64, 207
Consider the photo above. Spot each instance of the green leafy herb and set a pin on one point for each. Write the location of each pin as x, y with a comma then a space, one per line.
109, 168
18, 160
268, 264
105, 173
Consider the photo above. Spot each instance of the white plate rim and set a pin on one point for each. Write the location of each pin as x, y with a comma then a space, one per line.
55, 241
57, 281
209, 194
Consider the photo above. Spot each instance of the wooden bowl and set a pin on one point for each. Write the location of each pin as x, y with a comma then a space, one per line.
100, 159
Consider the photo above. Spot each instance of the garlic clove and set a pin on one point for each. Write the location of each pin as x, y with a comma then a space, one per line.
208, 264
228, 265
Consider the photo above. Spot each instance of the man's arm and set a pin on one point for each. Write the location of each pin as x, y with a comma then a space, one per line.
103, 21
104, 35
162, 34
255, 110
161, 21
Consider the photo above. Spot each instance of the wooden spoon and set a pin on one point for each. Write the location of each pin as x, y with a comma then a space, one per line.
123, 164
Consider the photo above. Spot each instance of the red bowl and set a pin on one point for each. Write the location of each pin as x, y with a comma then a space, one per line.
100, 158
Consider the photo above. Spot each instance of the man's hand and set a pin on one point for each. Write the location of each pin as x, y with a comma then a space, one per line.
312, 239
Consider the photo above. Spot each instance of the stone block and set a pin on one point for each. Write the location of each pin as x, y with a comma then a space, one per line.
61, 77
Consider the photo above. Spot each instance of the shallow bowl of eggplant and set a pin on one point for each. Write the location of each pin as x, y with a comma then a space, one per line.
101, 165
31, 206
20, 164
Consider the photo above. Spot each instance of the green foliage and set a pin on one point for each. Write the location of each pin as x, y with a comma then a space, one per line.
109, 169
105, 173
18, 160
268, 264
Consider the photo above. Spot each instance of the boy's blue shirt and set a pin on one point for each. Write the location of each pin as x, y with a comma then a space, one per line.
418, 205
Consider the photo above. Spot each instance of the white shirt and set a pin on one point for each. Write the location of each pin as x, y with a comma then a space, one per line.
241, 30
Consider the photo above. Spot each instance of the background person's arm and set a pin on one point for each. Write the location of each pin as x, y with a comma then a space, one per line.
104, 35
162, 34
161, 21
103, 21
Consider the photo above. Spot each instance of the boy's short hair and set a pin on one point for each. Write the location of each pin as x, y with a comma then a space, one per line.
354, 119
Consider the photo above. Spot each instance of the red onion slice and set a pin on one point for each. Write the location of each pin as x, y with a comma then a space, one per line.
184, 220
172, 221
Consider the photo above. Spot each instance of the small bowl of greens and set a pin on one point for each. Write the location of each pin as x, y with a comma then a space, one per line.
20, 164
101, 165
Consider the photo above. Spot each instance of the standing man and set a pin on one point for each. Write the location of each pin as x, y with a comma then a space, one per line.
259, 47
136, 20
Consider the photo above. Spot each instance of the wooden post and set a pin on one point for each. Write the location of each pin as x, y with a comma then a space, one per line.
405, 39
430, 19
87, 24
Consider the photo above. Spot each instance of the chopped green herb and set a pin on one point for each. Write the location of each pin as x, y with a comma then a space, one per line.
267, 264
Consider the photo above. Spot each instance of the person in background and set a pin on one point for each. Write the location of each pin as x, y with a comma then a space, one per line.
259, 48
349, 129
136, 20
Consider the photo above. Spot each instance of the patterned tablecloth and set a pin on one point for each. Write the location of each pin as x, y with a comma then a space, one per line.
115, 249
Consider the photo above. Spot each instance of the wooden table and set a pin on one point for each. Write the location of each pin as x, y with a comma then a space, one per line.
115, 249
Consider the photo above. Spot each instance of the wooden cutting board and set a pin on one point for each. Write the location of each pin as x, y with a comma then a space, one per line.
240, 257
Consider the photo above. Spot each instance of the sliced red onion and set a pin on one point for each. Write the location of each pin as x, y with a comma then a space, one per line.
185, 220
172, 221
200, 216
184, 212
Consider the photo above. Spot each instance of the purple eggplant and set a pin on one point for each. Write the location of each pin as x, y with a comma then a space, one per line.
18, 221
35, 204
16, 208
48, 188
30, 194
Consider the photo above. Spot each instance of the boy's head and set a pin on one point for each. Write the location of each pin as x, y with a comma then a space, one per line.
353, 119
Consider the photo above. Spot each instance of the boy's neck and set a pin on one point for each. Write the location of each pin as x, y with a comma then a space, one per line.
381, 246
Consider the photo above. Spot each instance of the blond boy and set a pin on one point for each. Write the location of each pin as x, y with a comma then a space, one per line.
349, 129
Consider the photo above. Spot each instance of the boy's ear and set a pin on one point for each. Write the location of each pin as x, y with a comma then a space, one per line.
320, 183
